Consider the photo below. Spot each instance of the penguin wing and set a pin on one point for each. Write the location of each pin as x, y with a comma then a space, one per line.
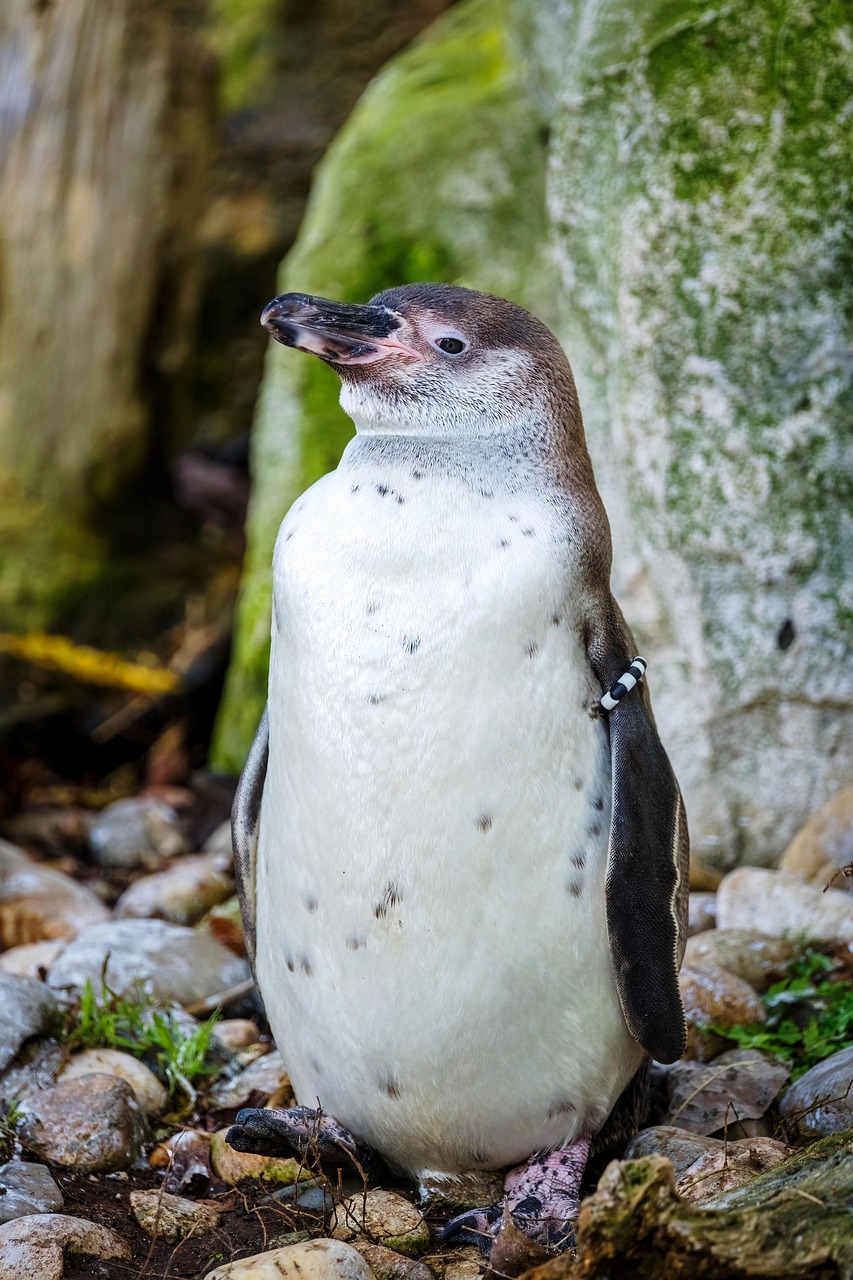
647, 858
245, 820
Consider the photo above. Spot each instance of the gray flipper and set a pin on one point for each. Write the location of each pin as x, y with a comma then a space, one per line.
647, 858
245, 820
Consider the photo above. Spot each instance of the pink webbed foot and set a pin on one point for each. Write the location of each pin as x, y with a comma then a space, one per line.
541, 1198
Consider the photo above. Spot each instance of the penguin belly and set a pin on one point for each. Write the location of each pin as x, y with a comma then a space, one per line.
431, 939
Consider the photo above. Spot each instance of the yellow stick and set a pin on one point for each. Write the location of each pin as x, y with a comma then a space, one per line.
93, 666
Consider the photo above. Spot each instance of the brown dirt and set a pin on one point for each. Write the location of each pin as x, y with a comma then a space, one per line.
252, 1221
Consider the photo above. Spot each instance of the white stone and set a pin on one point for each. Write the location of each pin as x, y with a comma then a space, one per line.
28, 960
149, 1092
173, 962
310, 1260
383, 1218
264, 1075
27, 1008
38, 903
137, 832
182, 893
27, 1188
32, 1248
776, 903
236, 1033
219, 841
172, 1218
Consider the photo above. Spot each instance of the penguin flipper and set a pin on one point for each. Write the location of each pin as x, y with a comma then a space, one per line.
245, 820
647, 859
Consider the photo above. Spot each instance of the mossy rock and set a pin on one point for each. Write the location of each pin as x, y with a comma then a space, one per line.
700, 198
231, 1166
793, 1221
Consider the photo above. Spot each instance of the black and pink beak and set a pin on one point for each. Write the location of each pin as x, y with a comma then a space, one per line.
338, 332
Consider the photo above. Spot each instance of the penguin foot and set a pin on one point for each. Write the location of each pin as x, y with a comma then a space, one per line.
303, 1132
541, 1199
475, 1226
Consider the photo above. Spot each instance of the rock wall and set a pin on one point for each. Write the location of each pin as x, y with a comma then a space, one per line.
668, 187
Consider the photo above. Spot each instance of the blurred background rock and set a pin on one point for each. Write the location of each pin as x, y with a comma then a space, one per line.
666, 184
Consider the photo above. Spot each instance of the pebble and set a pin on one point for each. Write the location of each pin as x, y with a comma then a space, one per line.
225, 923
172, 1218
51, 828
92, 1124
186, 1158
752, 956
182, 893
732, 1164
263, 1076
231, 1165
32, 959
712, 995
680, 1146
219, 840
471, 1190
38, 903
821, 1101
27, 1008
703, 879
312, 1198
778, 904
235, 1034
384, 1218
27, 1188
147, 1089
388, 1265
34, 1069
701, 912
824, 844
739, 1085
463, 1264
139, 832
311, 1260
172, 962
32, 1248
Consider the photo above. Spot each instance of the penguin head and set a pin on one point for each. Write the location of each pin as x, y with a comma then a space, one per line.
433, 359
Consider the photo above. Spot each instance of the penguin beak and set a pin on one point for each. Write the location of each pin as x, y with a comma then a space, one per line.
340, 333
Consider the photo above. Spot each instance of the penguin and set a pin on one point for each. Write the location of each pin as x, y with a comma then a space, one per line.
460, 846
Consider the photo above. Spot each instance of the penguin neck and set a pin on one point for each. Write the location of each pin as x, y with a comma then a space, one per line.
509, 457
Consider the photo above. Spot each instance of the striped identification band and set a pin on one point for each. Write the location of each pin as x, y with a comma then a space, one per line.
624, 684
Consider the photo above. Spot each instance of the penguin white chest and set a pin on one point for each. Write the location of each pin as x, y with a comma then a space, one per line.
432, 947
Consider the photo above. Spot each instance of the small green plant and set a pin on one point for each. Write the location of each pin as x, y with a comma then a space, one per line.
107, 1020
829, 1029
8, 1129
183, 1058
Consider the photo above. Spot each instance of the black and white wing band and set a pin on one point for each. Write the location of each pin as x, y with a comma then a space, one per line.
626, 682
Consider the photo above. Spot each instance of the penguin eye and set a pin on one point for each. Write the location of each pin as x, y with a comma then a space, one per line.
452, 346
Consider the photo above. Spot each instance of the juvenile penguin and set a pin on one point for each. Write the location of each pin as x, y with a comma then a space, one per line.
461, 849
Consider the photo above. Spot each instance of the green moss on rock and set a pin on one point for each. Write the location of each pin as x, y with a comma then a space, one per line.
438, 175
701, 202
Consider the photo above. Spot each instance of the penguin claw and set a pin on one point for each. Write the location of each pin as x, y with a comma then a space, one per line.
299, 1131
475, 1226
